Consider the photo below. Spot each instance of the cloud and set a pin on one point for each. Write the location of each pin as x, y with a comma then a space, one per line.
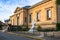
32, 2
7, 7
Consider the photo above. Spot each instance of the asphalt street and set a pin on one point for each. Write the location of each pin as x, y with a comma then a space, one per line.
6, 36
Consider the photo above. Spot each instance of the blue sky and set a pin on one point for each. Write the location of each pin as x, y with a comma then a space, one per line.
7, 7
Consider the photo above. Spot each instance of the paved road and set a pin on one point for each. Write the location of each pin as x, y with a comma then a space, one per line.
6, 36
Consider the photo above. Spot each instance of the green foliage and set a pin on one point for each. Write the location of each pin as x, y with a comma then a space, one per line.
58, 26
26, 28
14, 28
48, 30
58, 2
45, 30
39, 28
0, 26
19, 28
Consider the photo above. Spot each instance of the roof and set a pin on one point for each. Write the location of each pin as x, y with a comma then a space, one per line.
27, 7
17, 9
39, 3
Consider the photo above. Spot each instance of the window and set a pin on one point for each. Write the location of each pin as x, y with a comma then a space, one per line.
38, 16
13, 21
49, 14
30, 18
25, 19
17, 20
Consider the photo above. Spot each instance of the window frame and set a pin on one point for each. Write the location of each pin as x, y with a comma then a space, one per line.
38, 16
49, 13
30, 18
25, 19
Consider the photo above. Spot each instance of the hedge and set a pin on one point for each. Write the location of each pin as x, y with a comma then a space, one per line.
58, 26
58, 2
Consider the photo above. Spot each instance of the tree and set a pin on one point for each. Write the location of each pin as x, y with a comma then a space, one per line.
58, 2
58, 26
0, 26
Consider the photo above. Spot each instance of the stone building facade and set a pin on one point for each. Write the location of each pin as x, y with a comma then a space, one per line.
45, 13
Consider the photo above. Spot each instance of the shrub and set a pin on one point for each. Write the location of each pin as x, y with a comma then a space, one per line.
14, 28
48, 30
58, 26
0, 27
19, 28
58, 2
26, 28
39, 28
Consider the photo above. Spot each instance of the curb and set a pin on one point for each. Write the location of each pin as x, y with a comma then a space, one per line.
26, 36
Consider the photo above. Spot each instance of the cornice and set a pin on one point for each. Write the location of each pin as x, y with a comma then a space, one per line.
11, 16
18, 9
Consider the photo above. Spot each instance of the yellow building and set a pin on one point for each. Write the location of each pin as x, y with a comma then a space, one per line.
45, 13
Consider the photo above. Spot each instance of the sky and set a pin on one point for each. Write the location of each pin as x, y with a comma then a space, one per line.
7, 7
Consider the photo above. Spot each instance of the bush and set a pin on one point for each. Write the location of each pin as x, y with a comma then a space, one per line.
0, 27
39, 28
26, 28
14, 28
45, 30
19, 28
48, 30
58, 26
58, 2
